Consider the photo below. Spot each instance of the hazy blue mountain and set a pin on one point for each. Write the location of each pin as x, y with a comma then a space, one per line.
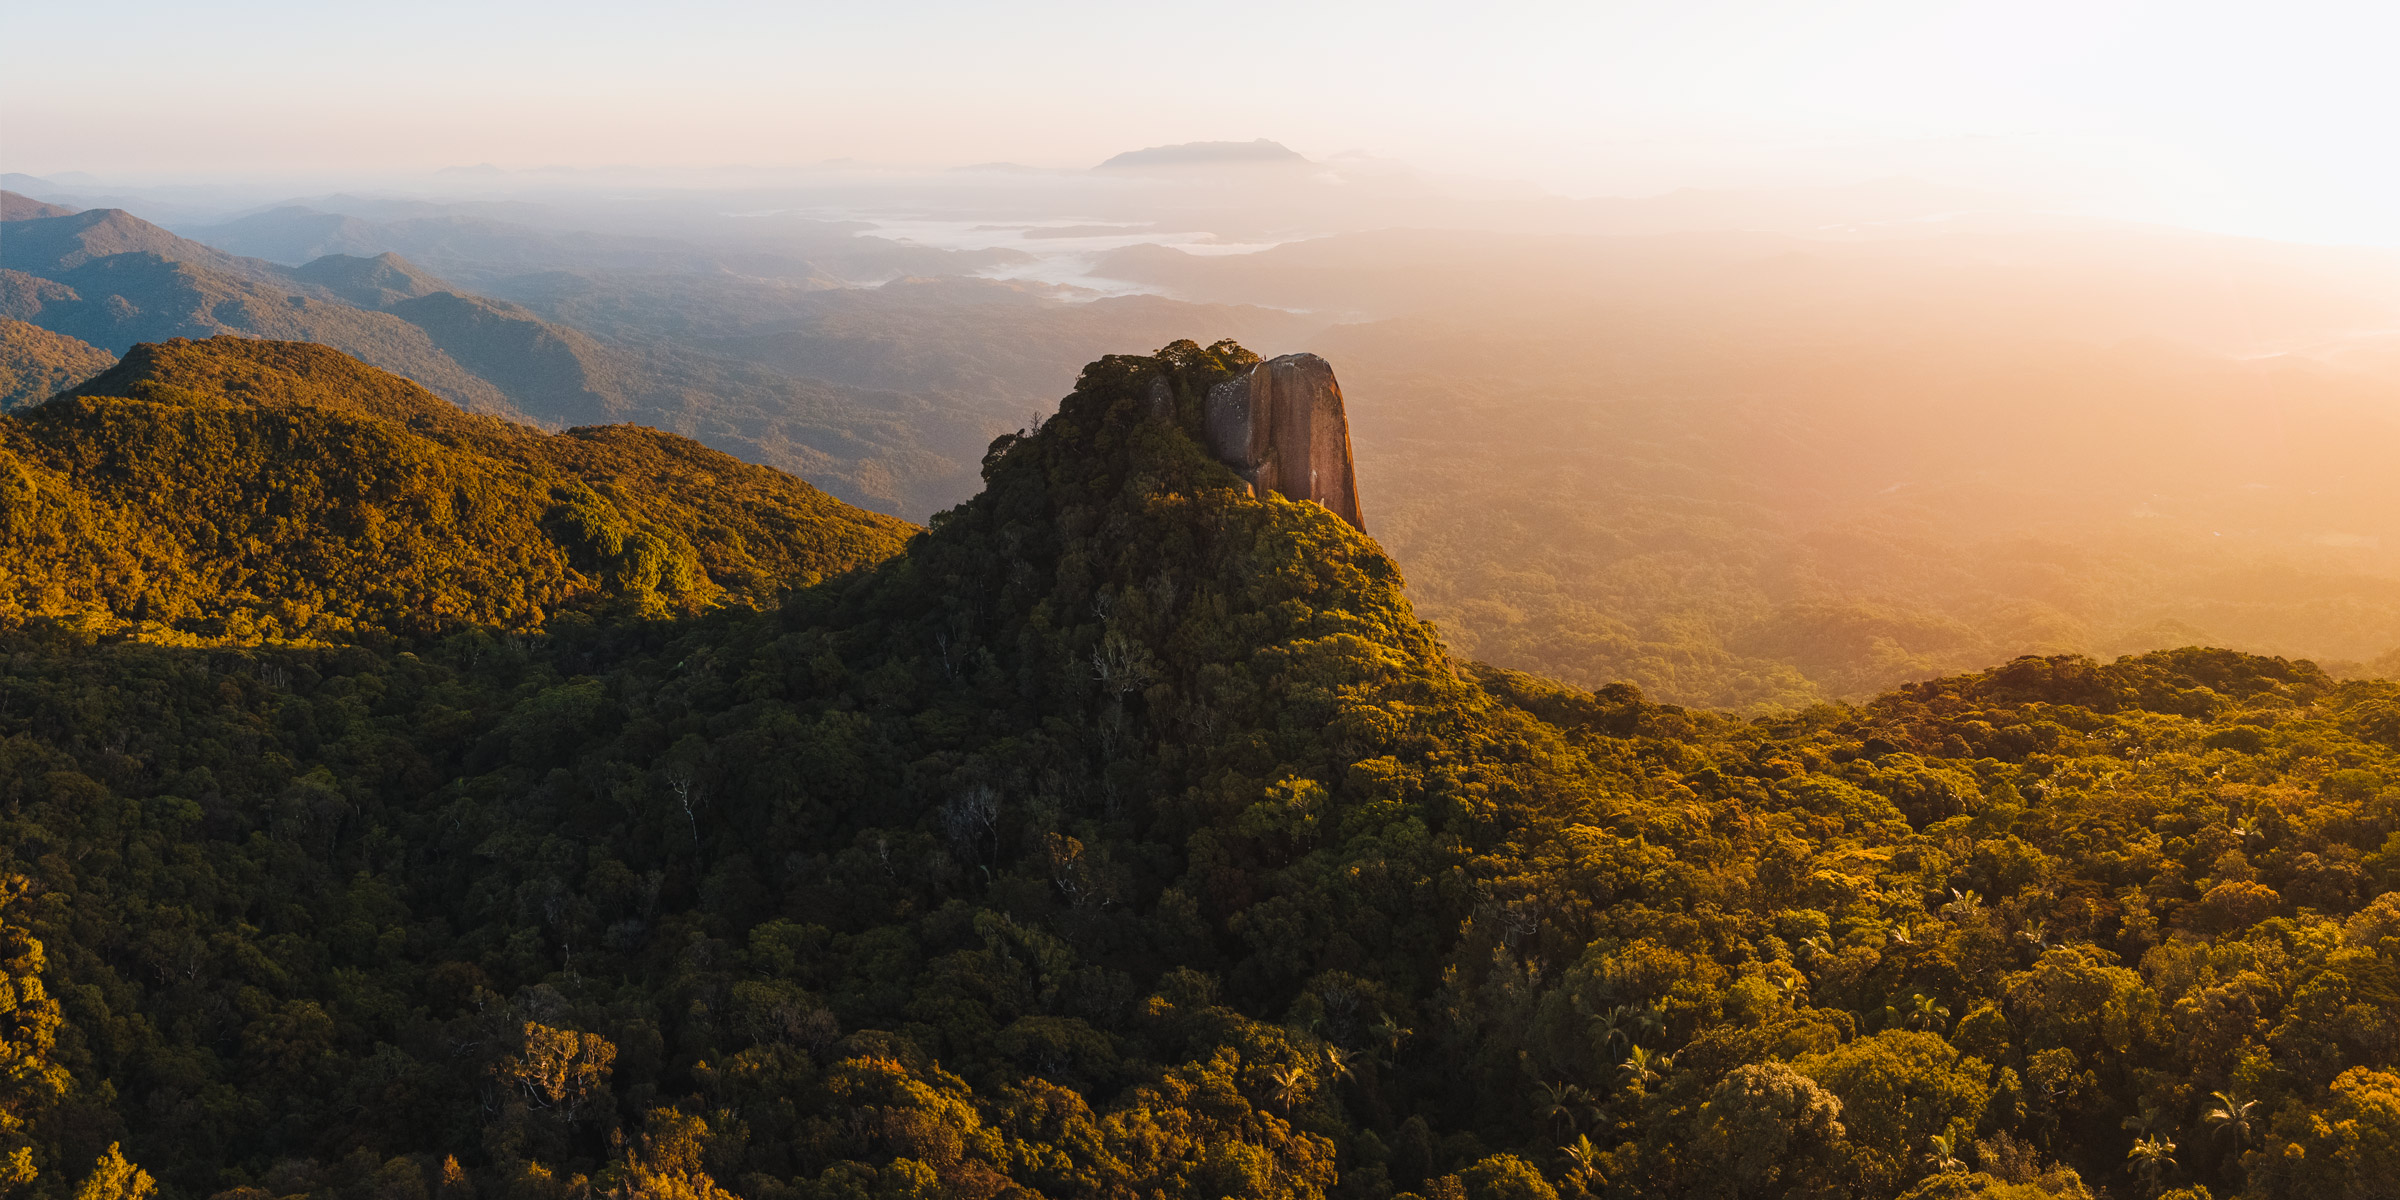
376, 282
54, 242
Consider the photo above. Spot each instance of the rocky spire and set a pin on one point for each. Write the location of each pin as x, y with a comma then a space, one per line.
1280, 425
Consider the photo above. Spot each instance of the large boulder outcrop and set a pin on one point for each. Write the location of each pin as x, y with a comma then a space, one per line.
1280, 425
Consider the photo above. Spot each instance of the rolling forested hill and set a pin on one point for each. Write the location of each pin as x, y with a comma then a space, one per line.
36, 363
1127, 835
112, 280
242, 488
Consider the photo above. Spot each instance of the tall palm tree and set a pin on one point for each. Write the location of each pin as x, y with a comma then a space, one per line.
2151, 1158
1642, 1068
2231, 1115
1650, 1020
1919, 1011
1287, 1086
1925, 1012
2036, 934
1551, 1100
1609, 1026
1340, 1063
1942, 1149
1567, 1102
1584, 1107
1583, 1161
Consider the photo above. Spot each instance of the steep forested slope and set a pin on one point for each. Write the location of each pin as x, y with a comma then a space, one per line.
1129, 836
235, 487
36, 363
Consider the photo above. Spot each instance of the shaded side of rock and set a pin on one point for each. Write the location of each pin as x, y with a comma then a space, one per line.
1280, 425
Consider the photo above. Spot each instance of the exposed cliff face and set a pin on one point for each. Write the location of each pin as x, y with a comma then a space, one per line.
1280, 424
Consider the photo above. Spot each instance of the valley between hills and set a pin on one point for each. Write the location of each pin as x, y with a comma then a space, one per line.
457, 747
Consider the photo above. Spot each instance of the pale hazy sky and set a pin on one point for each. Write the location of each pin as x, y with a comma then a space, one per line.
2273, 118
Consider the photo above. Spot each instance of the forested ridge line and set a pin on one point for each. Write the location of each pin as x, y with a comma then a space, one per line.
1128, 836
241, 489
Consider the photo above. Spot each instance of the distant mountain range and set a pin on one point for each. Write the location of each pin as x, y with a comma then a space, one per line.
483, 244
1197, 154
112, 279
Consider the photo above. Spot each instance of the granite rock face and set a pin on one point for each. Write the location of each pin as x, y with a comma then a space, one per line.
1280, 425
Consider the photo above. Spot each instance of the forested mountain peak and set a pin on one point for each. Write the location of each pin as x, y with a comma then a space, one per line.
253, 371
238, 488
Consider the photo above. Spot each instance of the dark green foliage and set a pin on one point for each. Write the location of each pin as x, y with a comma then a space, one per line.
1128, 836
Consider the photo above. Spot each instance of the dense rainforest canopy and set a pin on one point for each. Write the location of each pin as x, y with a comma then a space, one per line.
1124, 836
36, 363
245, 488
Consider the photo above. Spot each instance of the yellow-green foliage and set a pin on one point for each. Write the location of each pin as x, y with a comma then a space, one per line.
36, 364
239, 488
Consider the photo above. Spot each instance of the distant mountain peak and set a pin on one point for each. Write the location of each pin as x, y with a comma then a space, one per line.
1207, 154
378, 282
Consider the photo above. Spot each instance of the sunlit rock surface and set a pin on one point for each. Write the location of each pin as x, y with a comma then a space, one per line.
1280, 425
